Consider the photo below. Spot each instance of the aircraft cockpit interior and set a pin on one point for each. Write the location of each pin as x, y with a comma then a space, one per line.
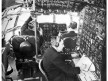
54, 40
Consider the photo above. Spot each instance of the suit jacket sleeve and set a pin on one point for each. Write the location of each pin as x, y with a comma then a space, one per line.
67, 68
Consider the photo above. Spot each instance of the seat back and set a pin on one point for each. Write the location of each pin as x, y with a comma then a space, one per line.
42, 70
23, 46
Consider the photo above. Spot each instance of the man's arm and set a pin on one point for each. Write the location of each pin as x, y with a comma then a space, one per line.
67, 68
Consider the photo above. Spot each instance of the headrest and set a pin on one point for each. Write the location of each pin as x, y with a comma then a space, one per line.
25, 47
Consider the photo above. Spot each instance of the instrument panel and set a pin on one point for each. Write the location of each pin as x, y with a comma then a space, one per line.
50, 31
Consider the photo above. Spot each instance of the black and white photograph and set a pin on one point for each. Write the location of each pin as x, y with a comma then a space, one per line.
53, 40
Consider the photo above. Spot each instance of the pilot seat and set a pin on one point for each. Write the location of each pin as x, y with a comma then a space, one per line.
24, 50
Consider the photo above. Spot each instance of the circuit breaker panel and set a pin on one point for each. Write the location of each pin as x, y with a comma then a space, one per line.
93, 35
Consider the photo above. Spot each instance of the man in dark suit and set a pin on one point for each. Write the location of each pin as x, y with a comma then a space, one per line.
55, 65
71, 30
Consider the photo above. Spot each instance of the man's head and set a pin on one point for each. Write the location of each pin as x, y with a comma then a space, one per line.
67, 43
31, 25
73, 25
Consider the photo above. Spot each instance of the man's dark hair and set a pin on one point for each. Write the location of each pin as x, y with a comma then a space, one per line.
73, 25
70, 43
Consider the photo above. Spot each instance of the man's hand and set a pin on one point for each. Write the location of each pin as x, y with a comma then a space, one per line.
83, 67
